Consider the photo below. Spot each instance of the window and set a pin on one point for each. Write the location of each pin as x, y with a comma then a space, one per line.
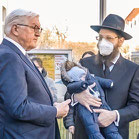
3, 19
3, 13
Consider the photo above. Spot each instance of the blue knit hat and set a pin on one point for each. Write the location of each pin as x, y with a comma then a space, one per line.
76, 73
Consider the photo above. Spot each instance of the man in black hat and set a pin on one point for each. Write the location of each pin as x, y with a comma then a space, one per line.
123, 98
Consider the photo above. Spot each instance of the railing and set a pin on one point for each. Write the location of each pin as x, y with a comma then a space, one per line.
63, 132
133, 130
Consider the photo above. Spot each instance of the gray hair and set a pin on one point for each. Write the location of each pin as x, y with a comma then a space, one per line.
16, 17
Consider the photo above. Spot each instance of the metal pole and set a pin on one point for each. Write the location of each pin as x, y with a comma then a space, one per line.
102, 11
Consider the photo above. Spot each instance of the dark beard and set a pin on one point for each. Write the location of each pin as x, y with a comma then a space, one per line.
108, 58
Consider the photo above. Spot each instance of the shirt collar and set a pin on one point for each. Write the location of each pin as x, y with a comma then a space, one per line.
16, 44
113, 61
116, 58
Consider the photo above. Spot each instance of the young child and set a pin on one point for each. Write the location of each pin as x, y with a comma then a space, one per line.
78, 79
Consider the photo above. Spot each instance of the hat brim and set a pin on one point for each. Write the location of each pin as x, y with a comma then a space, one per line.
124, 34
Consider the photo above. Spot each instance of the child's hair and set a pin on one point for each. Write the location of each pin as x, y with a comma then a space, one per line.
69, 65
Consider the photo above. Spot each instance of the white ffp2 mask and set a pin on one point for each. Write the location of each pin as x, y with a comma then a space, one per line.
105, 47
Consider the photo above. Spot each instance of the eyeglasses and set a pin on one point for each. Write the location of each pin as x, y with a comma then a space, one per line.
36, 28
109, 38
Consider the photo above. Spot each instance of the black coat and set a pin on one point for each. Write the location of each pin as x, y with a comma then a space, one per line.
124, 96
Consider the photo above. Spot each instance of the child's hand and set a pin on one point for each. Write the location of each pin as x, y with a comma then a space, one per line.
71, 129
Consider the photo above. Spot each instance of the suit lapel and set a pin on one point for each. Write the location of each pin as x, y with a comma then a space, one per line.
118, 65
33, 67
118, 68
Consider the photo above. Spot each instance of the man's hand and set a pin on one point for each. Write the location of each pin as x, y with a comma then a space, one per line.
87, 99
62, 108
71, 129
105, 117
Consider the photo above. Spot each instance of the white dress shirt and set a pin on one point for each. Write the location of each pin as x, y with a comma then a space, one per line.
16, 44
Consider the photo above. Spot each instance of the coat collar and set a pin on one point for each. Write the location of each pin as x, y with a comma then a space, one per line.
16, 44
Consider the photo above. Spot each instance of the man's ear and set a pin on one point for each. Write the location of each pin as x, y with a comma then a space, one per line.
14, 30
121, 40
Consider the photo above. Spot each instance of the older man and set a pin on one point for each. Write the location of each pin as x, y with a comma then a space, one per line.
123, 98
26, 104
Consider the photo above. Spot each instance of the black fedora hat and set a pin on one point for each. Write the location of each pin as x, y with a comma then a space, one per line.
113, 22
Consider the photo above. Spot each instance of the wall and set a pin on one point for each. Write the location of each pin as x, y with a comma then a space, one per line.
133, 27
3, 12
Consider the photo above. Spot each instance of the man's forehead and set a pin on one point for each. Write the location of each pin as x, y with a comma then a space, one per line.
34, 20
104, 31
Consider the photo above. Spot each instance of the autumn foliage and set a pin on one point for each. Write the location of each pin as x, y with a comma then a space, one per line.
56, 39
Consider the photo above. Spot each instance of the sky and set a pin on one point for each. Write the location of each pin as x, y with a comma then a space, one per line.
73, 16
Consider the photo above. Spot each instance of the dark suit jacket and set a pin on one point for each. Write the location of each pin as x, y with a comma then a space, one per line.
26, 110
124, 96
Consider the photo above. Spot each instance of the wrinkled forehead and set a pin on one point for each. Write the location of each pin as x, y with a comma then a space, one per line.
33, 20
